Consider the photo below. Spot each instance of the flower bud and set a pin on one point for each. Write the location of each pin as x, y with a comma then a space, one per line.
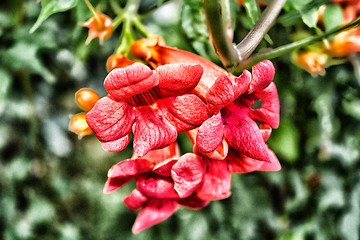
100, 26
86, 98
312, 62
144, 48
117, 60
79, 125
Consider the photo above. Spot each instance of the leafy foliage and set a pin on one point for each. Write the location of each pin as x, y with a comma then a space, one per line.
51, 183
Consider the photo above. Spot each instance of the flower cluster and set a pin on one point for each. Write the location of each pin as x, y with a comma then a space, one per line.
315, 58
227, 118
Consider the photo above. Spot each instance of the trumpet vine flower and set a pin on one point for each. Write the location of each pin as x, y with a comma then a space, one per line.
154, 104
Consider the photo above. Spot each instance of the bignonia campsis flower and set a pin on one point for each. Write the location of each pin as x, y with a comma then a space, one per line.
228, 96
155, 104
157, 194
215, 108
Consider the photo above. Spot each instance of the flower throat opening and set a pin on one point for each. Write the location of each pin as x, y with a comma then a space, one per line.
145, 98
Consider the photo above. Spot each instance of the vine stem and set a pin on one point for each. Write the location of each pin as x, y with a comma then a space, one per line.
248, 63
221, 41
257, 33
90, 6
129, 18
219, 24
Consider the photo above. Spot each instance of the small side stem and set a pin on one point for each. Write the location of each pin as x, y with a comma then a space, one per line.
290, 47
128, 17
117, 21
218, 34
257, 33
126, 38
90, 6
141, 27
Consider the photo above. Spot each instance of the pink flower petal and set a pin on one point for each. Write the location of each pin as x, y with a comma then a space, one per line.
117, 145
262, 75
265, 131
130, 167
243, 134
217, 181
242, 83
164, 167
219, 153
115, 183
135, 200
124, 171
110, 120
151, 132
122, 83
156, 187
187, 174
224, 91
239, 163
220, 94
193, 202
160, 155
270, 108
155, 211
210, 134
184, 112
274, 165
177, 79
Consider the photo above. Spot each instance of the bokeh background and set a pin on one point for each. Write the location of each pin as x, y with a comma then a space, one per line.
51, 182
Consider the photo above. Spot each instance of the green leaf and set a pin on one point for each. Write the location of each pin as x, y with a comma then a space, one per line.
350, 224
50, 7
6, 81
24, 56
193, 24
333, 17
285, 141
297, 10
252, 10
352, 108
310, 17
254, 13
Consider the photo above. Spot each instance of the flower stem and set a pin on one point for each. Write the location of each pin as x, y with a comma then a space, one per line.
126, 38
128, 17
221, 41
117, 21
90, 6
137, 23
290, 47
257, 33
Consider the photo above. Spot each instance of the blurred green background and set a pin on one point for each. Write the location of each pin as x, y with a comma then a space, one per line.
51, 182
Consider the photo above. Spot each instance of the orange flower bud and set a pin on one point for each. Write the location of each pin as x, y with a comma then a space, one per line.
79, 125
117, 60
312, 62
345, 43
100, 26
86, 98
145, 48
